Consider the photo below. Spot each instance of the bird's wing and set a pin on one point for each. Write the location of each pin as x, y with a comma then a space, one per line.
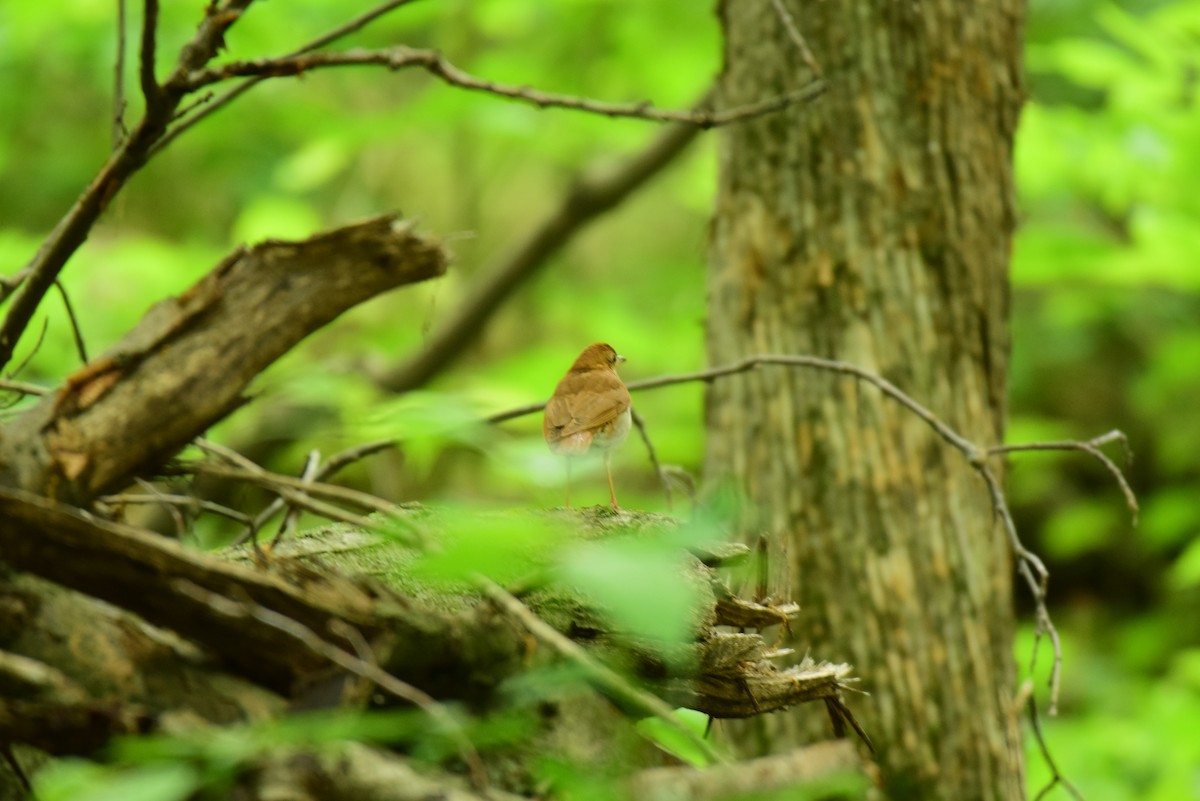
585, 402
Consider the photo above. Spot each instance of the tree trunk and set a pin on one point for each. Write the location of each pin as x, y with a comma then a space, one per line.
874, 227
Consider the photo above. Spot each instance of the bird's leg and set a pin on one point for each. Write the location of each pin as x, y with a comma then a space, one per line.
612, 492
567, 459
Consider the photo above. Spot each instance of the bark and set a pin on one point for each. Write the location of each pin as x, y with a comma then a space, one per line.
874, 227
186, 364
132, 640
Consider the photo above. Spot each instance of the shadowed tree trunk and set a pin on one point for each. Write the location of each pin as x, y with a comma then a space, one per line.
874, 227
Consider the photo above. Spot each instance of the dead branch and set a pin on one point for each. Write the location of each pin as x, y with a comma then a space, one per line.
1092, 448
147, 54
371, 672
1029, 565
433, 62
604, 678
137, 570
585, 201
752, 778
186, 120
335, 463
186, 364
352, 772
128, 158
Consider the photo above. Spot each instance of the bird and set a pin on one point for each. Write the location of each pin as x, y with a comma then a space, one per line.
590, 410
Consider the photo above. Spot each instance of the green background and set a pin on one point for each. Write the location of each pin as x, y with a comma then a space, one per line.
1106, 310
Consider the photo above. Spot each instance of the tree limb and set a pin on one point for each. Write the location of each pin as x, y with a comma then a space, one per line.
584, 202
73, 229
186, 364
433, 62
756, 777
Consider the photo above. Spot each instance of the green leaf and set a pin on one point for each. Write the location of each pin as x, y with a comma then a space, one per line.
673, 741
641, 584
1185, 573
313, 165
1079, 528
69, 780
503, 548
276, 217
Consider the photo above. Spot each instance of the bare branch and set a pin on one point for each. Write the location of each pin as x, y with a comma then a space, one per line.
220, 102
1029, 565
373, 673
73, 228
195, 354
335, 463
308, 474
435, 64
1092, 447
150, 88
24, 388
137, 570
249, 471
797, 39
187, 502
80, 347
1056, 776
658, 470
118, 121
604, 678
584, 202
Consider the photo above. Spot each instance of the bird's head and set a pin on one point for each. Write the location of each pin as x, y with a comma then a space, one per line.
598, 356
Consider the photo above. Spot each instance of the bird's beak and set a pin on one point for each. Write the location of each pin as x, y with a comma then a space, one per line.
620, 358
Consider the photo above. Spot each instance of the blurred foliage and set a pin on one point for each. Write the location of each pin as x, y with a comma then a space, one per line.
1106, 332
1105, 271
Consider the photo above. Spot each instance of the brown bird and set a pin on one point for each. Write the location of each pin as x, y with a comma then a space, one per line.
589, 410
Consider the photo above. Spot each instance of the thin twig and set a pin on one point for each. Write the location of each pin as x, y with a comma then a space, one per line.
188, 502
76, 333
182, 527
72, 230
308, 474
33, 351
1056, 777
604, 679
228, 97
1092, 447
585, 201
249, 471
1030, 566
347, 661
298, 492
118, 132
294, 496
435, 64
658, 471
797, 39
23, 387
150, 88
335, 463
10, 283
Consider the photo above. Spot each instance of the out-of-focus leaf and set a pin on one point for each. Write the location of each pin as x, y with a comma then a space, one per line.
1083, 526
276, 217
640, 583
313, 165
671, 740
503, 548
1185, 572
85, 781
